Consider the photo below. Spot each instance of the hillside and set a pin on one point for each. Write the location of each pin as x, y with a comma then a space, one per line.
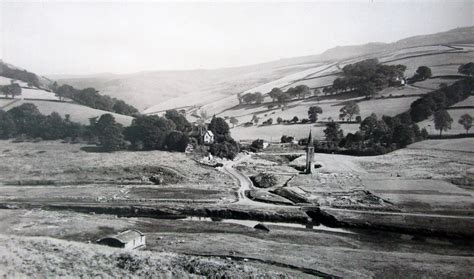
160, 90
47, 103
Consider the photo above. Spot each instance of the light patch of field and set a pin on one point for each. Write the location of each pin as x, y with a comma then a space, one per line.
467, 102
432, 60
53, 171
433, 83
415, 51
78, 113
313, 82
465, 145
402, 90
456, 128
274, 132
7, 81
417, 179
28, 93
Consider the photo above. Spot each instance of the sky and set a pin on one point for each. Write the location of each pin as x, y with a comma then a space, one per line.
87, 37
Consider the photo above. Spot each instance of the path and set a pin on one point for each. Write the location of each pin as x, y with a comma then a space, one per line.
245, 184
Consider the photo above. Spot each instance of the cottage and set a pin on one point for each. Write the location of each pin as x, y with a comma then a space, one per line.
129, 239
202, 135
397, 81
208, 137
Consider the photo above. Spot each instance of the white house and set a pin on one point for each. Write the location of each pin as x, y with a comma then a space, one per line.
208, 137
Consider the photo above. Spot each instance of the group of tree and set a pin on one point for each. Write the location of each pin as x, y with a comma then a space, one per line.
11, 90
440, 99
27, 121
422, 73
313, 113
375, 136
381, 135
18, 74
91, 98
367, 77
249, 98
224, 145
281, 97
349, 110
467, 69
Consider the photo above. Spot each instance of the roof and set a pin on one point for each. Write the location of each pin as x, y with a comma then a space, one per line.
125, 236
209, 132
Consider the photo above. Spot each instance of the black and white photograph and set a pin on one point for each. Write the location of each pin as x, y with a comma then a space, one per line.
236, 139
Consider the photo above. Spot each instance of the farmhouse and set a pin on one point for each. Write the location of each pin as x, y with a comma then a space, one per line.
129, 239
202, 135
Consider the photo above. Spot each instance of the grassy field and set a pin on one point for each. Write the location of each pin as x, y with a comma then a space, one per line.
53, 171
32, 238
444, 60
78, 113
456, 128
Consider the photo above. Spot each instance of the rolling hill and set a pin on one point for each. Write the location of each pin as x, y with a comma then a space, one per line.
47, 103
156, 91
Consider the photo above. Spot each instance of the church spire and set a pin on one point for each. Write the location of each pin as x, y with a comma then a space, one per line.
310, 139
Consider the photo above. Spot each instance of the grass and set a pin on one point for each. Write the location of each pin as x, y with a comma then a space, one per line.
78, 113
66, 172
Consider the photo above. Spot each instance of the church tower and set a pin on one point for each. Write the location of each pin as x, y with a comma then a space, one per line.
310, 154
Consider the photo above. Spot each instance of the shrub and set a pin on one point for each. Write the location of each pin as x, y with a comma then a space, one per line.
264, 180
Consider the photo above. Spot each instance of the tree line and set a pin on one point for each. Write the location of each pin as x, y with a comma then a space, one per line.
382, 135
367, 77
17, 74
90, 97
147, 132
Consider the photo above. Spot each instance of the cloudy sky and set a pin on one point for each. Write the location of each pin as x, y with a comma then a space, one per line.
57, 37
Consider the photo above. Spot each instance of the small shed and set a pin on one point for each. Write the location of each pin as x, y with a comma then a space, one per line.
129, 239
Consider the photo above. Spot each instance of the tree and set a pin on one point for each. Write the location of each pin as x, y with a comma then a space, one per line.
109, 133
7, 125
275, 94
333, 132
442, 121
279, 120
218, 126
349, 110
467, 69
225, 149
11, 90
27, 119
403, 135
149, 132
255, 119
177, 141
302, 91
295, 119
258, 98
375, 130
367, 89
422, 73
182, 124
466, 121
234, 121
53, 127
313, 113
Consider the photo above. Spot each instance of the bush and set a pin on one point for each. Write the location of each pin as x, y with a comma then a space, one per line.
264, 180
287, 139
257, 145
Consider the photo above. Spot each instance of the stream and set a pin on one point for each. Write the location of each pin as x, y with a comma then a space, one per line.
252, 223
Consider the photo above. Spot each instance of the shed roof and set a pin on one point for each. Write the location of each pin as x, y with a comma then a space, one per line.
125, 236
